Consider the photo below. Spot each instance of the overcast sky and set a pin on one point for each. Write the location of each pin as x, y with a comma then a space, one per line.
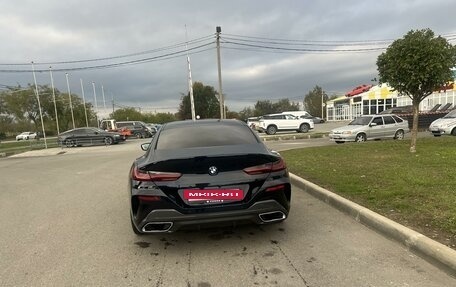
264, 56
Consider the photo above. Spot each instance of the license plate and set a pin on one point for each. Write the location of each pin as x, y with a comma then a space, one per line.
210, 195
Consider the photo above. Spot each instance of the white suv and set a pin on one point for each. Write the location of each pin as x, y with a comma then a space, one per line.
284, 122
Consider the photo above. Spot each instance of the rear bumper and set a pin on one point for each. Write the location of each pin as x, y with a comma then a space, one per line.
177, 220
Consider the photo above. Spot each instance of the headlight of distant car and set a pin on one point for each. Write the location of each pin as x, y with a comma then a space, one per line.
346, 132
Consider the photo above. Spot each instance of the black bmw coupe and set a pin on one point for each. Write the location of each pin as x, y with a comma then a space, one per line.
207, 172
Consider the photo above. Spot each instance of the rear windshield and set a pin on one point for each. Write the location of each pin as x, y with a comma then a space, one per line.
206, 135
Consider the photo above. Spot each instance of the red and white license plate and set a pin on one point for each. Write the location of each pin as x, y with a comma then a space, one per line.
213, 194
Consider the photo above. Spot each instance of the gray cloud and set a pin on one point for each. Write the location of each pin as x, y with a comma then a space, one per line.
73, 30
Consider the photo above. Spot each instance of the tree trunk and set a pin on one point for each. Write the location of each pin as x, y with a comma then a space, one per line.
416, 110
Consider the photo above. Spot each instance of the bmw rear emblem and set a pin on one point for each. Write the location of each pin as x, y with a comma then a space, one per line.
213, 170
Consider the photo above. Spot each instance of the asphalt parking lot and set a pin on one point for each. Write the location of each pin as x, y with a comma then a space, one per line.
66, 222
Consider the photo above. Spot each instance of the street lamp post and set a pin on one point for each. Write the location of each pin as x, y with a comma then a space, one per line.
55, 104
84, 102
96, 105
104, 101
69, 96
322, 103
37, 94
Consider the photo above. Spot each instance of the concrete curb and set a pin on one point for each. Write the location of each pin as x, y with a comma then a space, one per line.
430, 250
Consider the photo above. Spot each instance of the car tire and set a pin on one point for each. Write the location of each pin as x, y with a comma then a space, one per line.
304, 128
108, 140
135, 230
68, 143
339, 142
399, 135
271, 130
138, 135
453, 132
360, 138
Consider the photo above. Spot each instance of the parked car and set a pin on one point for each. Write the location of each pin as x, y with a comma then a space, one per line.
316, 120
137, 128
152, 128
285, 122
371, 127
398, 110
254, 123
27, 136
89, 136
207, 172
445, 125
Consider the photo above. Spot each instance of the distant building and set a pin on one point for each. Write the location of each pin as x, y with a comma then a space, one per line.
380, 98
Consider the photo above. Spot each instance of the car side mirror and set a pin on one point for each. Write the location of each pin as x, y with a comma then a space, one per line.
373, 124
145, 146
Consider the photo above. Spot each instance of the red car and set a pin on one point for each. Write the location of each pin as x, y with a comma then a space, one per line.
358, 90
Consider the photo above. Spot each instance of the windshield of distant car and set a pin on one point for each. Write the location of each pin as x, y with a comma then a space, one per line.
361, 121
204, 135
451, 115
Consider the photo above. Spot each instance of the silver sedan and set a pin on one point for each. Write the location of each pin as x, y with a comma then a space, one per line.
371, 127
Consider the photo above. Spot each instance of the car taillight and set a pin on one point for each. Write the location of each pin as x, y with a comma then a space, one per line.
275, 188
279, 165
149, 198
259, 169
266, 168
141, 175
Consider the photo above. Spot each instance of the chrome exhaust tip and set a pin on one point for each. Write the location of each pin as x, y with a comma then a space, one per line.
155, 227
272, 216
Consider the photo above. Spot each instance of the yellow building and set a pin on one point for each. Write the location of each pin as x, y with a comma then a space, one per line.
380, 98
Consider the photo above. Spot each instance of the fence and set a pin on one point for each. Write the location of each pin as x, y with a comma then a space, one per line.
12, 147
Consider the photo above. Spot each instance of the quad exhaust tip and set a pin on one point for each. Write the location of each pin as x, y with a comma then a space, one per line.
272, 216
154, 227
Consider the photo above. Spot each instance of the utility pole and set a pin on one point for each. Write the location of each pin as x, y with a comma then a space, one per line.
218, 30
190, 83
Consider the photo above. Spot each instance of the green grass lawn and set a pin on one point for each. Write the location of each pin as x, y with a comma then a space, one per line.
10, 148
417, 190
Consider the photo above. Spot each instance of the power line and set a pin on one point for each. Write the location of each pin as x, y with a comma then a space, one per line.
167, 56
170, 47
303, 49
343, 42
307, 43
284, 52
